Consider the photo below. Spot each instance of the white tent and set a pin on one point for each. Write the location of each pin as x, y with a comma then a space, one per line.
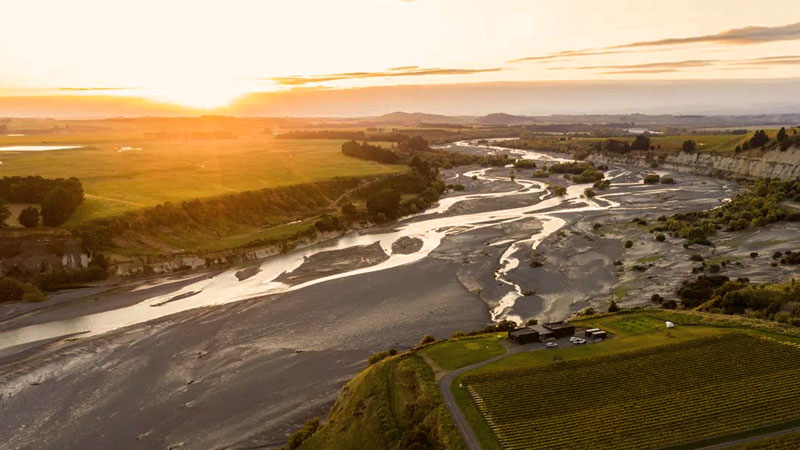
669, 324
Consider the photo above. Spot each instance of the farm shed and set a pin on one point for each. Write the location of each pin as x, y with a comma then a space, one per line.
560, 329
596, 334
524, 335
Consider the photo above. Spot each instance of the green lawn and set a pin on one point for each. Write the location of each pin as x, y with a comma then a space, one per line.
175, 170
454, 354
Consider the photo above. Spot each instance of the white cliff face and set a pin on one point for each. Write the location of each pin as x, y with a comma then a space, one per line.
772, 164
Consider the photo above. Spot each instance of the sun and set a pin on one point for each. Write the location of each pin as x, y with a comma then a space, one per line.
198, 92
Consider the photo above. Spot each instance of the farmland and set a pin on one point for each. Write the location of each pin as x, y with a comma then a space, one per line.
656, 396
155, 171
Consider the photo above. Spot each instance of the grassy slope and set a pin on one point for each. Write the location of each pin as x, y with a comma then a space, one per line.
386, 406
175, 170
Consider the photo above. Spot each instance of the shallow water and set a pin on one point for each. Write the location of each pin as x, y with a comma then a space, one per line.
37, 148
429, 226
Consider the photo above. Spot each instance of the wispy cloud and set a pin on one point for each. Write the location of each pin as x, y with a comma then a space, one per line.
770, 60
96, 88
669, 65
736, 36
623, 72
674, 66
408, 71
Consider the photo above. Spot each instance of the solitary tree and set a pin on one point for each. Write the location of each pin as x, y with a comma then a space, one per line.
689, 146
781, 134
29, 217
641, 142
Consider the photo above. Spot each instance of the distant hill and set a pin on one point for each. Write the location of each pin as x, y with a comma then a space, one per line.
410, 119
503, 119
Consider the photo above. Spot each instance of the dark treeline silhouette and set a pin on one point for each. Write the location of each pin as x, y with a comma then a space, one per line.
323, 134
370, 152
59, 197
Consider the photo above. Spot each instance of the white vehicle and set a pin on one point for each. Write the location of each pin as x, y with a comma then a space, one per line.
551, 345
577, 341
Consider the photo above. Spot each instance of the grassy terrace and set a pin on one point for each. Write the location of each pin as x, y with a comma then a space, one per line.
174, 170
456, 353
763, 381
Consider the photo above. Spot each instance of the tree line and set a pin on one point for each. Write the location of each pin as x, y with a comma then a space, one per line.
370, 152
58, 197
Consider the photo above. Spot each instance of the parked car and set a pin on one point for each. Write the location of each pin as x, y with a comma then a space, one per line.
551, 345
577, 341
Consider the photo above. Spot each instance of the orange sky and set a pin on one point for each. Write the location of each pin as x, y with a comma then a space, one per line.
206, 54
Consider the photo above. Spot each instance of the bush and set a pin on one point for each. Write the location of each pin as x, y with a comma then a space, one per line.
696, 258
669, 304
667, 180
660, 237
377, 357
458, 187
297, 438
589, 193
11, 290
655, 298
427, 339
651, 179
531, 322
613, 307
628, 243
597, 226
560, 191
29, 217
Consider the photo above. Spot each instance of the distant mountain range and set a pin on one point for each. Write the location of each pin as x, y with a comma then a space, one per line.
477, 103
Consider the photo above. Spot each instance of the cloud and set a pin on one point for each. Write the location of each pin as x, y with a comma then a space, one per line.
622, 72
647, 67
736, 36
96, 88
408, 71
770, 60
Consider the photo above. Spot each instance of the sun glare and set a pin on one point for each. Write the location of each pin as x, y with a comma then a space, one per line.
198, 92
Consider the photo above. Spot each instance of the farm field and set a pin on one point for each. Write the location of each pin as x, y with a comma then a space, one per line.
173, 170
652, 397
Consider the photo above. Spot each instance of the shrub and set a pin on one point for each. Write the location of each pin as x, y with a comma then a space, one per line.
651, 179
560, 191
427, 339
753, 254
667, 180
613, 307
597, 226
11, 290
458, 187
660, 237
377, 357
628, 243
297, 438
669, 304
589, 193
696, 258
655, 298
29, 217
531, 322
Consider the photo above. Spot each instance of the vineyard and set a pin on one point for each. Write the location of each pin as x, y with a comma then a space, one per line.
656, 397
